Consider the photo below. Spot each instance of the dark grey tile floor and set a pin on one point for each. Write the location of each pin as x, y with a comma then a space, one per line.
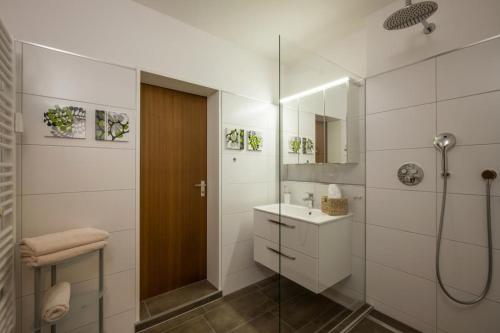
170, 300
255, 310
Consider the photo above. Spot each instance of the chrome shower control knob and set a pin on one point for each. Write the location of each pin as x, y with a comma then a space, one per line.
410, 174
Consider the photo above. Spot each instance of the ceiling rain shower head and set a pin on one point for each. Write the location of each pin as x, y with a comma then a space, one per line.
412, 14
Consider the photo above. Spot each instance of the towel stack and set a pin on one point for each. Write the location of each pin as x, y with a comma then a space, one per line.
53, 248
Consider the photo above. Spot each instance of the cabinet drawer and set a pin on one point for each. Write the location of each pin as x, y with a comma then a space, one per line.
295, 234
296, 266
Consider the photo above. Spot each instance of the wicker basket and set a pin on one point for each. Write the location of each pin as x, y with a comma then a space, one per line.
334, 207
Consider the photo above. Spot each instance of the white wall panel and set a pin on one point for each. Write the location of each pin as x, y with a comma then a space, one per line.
404, 210
465, 267
482, 317
56, 74
408, 293
412, 85
110, 210
237, 257
475, 118
237, 227
465, 218
406, 251
248, 179
472, 70
412, 127
72, 169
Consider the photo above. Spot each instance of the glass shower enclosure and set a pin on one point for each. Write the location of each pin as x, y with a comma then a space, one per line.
320, 218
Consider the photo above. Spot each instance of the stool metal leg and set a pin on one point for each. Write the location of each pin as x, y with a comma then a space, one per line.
101, 291
53, 281
37, 325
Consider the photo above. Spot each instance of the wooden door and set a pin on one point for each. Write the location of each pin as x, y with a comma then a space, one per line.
320, 141
172, 210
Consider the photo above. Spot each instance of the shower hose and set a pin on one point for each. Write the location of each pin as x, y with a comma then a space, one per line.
490, 244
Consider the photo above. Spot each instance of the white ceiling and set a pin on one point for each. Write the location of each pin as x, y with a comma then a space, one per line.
256, 24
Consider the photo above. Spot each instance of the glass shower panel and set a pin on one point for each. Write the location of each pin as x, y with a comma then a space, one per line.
321, 246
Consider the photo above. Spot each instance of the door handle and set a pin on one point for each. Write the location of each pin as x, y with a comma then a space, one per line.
203, 187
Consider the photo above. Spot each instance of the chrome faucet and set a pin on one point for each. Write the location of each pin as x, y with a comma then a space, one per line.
309, 199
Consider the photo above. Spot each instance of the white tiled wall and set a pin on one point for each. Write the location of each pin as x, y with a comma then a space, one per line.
71, 183
406, 108
248, 179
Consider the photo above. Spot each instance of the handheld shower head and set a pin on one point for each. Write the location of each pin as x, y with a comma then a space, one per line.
444, 142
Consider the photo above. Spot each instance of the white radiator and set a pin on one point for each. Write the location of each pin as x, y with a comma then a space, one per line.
7, 182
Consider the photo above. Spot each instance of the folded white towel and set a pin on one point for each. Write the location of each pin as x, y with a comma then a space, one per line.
56, 302
53, 258
55, 242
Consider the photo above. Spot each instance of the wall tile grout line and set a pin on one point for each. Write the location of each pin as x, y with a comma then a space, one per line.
436, 101
401, 230
91, 279
403, 108
76, 146
400, 270
79, 101
424, 278
81, 191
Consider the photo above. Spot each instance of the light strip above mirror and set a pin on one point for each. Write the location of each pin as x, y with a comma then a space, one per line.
315, 89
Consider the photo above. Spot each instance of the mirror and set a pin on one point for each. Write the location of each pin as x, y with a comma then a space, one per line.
321, 125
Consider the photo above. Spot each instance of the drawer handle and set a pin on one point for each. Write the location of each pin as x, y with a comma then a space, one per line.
282, 224
280, 253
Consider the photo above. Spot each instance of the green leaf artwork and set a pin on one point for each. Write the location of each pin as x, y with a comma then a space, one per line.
111, 126
255, 141
307, 146
235, 138
66, 122
294, 144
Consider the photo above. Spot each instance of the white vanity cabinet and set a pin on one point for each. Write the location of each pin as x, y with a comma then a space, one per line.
315, 249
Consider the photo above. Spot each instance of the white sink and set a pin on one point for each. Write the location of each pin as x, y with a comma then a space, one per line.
301, 213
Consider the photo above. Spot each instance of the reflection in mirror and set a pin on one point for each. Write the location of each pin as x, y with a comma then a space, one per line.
320, 125
311, 109
341, 122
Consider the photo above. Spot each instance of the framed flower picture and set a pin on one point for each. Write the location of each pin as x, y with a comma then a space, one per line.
111, 126
65, 122
294, 144
234, 138
307, 146
254, 141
